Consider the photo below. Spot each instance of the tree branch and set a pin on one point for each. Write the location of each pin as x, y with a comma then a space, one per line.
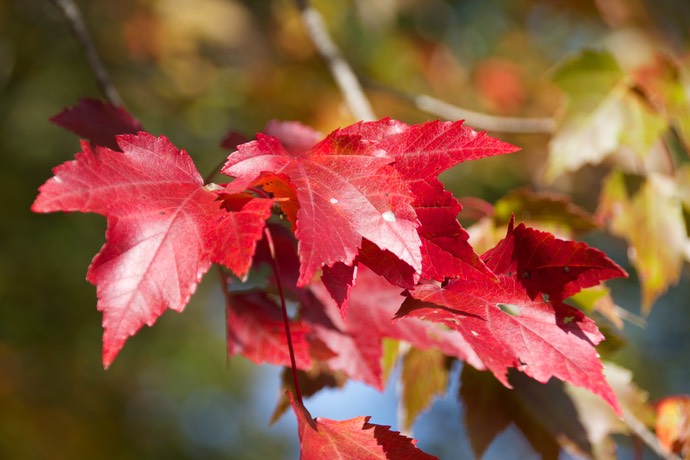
641, 431
73, 16
342, 72
479, 120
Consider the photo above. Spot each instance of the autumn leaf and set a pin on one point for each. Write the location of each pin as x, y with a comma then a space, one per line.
650, 219
673, 424
544, 264
294, 136
601, 114
256, 331
164, 228
548, 210
325, 439
345, 193
362, 193
98, 121
520, 321
506, 328
598, 298
424, 376
665, 84
421, 153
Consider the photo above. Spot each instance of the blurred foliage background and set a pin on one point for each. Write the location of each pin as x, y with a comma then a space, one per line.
194, 69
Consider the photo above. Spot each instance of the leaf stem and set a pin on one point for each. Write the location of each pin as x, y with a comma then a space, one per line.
286, 320
646, 436
73, 16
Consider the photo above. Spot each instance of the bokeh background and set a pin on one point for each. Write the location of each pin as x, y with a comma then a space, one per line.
195, 69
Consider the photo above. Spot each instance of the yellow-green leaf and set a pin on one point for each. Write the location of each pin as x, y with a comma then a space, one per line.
598, 418
601, 115
545, 210
424, 375
651, 220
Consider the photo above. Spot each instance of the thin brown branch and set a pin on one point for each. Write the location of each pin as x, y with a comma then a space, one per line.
341, 71
480, 120
646, 436
73, 16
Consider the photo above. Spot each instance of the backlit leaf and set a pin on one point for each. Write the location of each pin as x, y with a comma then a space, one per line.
651, 220
164, 228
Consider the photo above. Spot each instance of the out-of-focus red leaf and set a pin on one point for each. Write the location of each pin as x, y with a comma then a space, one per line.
256, 331
357, 341
98, 121
164, 228
338, 280
232, 139
294, 136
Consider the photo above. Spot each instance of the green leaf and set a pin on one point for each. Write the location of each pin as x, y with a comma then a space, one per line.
651, 220
424, 375
391, 353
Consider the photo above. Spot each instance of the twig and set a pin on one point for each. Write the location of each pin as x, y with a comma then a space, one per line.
479, 120
342, 72
286, 319
641, 431
71, 12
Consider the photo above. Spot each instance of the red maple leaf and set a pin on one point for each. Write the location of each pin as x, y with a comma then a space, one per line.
98, 121
346, 191
508, 329
421, 153
544, 264
164, 228
325, 439
353, 193
509, 326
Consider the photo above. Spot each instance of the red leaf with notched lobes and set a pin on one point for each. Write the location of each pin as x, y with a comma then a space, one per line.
164, 228
346, 190
98, 121
544, 264
421, 153
325, 439
256, 331
507, 328
357, 341
446, 251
